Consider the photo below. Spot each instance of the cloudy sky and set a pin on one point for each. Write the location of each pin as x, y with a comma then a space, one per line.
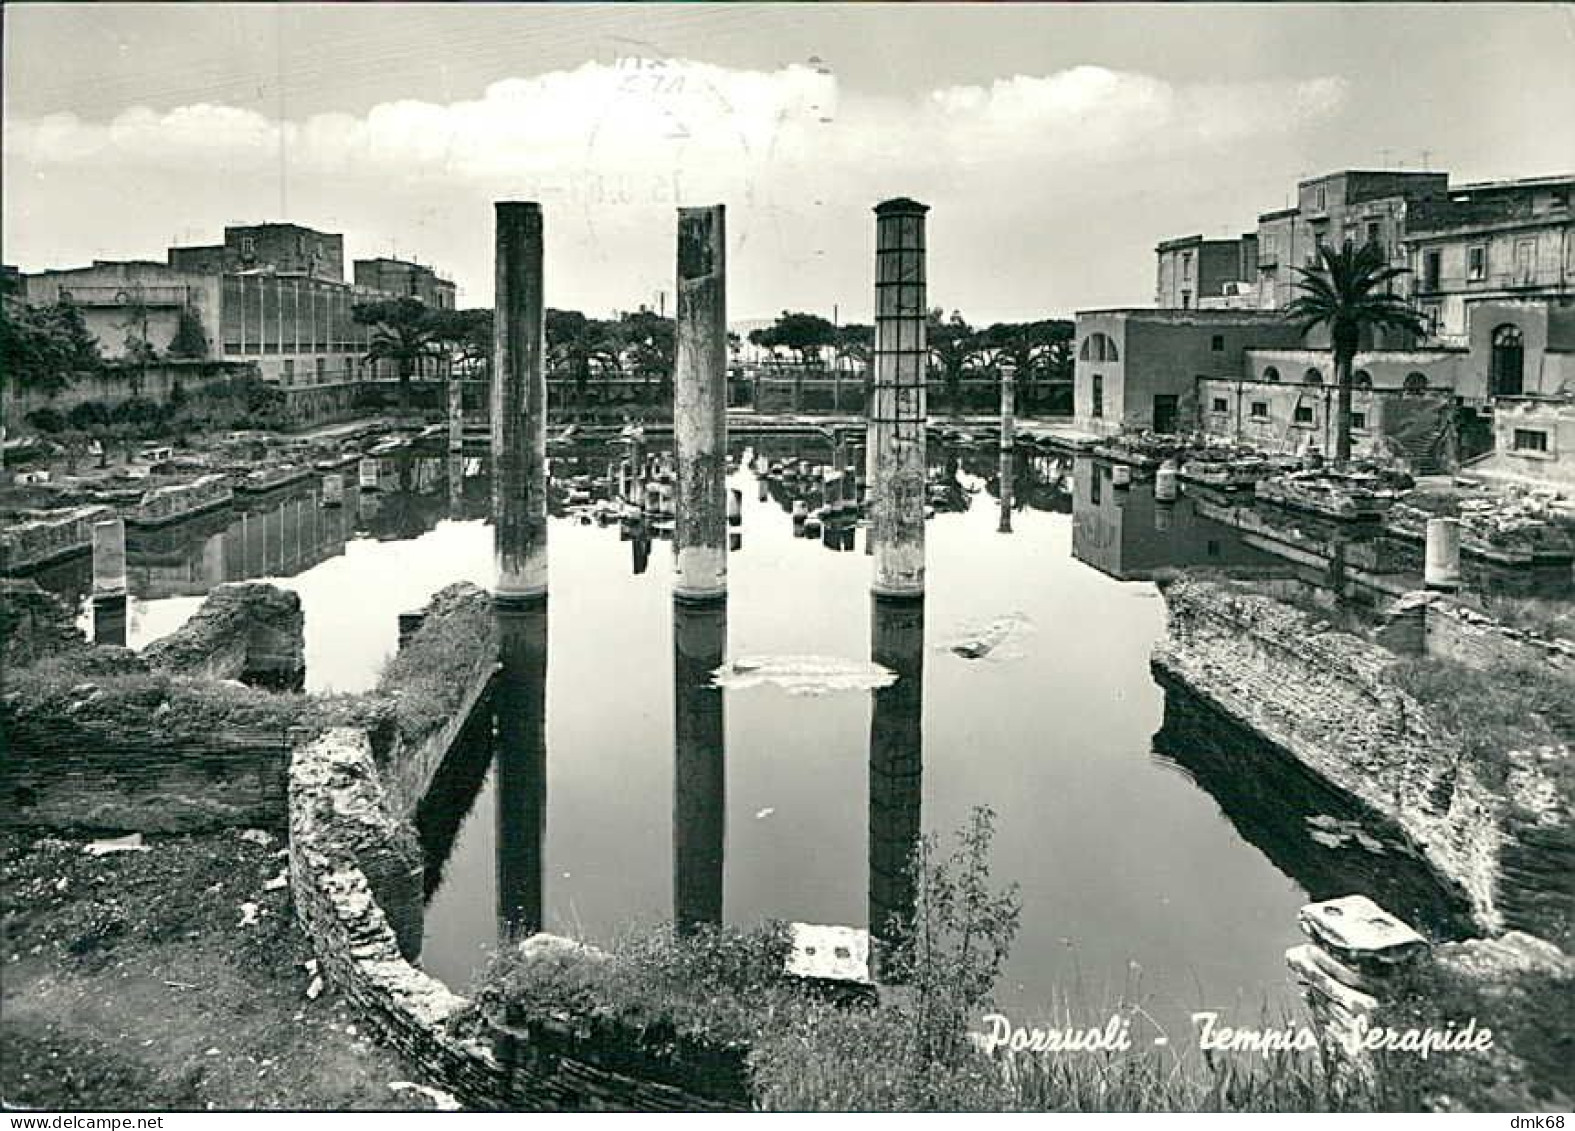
1055, 144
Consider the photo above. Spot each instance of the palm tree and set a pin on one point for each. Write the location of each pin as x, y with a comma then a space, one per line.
953, 345
1348, 291
402, 332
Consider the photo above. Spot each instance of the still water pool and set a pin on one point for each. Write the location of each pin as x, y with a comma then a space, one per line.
1160, 856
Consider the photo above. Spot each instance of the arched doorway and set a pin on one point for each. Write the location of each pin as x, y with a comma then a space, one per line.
1415, 382
1505, 378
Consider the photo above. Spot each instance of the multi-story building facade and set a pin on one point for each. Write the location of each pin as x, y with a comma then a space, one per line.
1136, 369
273, 294
287, 249
1194, 271
402, 277
1505, 241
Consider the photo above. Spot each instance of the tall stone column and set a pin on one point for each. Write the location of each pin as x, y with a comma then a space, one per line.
699, 764
520, 765
700, 406
109, 558
109, 582
896, 776
456, 415
1008, 465
897, 416
519, 409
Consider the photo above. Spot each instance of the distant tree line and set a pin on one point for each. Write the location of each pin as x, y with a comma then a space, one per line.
1039, 351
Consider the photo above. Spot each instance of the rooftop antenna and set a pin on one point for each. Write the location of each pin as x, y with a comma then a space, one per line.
1426, 153
1384, 156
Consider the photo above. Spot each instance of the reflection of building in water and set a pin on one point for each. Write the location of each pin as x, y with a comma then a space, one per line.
896, 770
275, 536
1129, 536
1323, 839
699, 764
520, 782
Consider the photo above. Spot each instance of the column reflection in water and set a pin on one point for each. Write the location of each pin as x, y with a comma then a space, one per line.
1007, 473
896, 774
456, 485
699, 764
520, 766
109, 621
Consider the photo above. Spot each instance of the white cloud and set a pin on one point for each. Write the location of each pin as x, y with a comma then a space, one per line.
612, 148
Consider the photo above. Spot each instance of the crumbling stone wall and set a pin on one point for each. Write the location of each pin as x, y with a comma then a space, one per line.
340, 830
134, 751
247, 631
34, 624
1321, 695
455, 634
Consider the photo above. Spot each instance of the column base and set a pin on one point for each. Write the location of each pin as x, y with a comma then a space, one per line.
519, 602
897, 596
699, 597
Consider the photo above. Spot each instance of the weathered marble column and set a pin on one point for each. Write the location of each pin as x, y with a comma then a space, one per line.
456, 485
109, 558
1008, 373
896, 776
519, 409
1441, 563
897, 416
700, 406
109, 582
699, 763
520, 765
456, 414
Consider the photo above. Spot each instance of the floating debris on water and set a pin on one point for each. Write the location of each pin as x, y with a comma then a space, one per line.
803, 675
976, 644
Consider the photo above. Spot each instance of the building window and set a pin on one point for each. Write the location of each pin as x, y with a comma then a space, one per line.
1415, 382
1432, 268
1359, 421
1099, 347
1186, 265
1260, 410
1304, 414
1186, 300
1530, 440
1506, 363
1220, 405
1320, 198
1373, 237
289, 371
322, 370
1099, 396
1476, 263
1271, 374
1217, 343
1094, 484
1525, 262
1361, 379
248, 247
1432, 315
1312, 377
